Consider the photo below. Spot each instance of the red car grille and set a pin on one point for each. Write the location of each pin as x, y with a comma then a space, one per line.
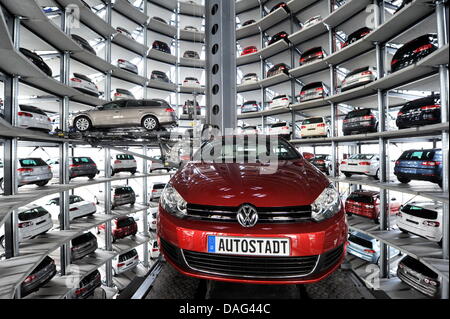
265, 214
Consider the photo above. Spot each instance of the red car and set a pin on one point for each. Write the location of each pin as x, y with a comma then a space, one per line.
235, 217
367, 204
122, 227
249, 50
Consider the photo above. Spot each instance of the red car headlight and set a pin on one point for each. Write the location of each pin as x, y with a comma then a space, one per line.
327, 204
172, 202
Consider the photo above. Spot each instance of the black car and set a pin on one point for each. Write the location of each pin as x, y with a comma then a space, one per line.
279, 36
42, 274
280, 5
161, 46
312, 55
314, 90
83, 245
359, 121
83, 43
248, 22
420, 112
88, 285
404, 3
420, 277
36, 60
188, 107
191, 55
357, 35
414, 51
160, 19
160, 76
277, 69
322, 162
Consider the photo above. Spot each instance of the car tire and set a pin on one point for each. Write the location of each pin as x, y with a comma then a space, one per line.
440, 184
113, 172
349, 214
42, 183
150, 123
377, 176
114, 239
132, 204
377, 220
91, 176
2, 241
1, 184
82, 124
133, 172
348, 174
439, 243
403, 230
403, 180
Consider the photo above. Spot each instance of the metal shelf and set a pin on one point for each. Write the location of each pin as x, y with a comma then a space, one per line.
162, 56
273, 80
129, 76
309, 68
297, 5
191, 9
192, 36
350, 51
193, 90
417, 247
163, 28
192, 63
309, 33
268, 112
93, 61
248, 87
160, 85
130, 11
244, 5
130, 44
272, 18
168, 4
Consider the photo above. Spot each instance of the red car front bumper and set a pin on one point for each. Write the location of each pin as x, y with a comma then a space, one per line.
184, 242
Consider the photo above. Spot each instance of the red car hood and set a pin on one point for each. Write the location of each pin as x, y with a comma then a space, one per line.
232, 184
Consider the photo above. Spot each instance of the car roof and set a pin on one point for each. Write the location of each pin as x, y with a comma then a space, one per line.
366, 193
28, 207
363, 236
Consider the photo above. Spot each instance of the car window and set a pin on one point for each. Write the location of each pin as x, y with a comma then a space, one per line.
159, 186
279, 124
124, 222
123, 190
421, 155
30, 162
32, 213
113, 105
54, 201
359, 113
135, 103
360, 241
124, 157
82, 160
313, 120
82, 239
361, 198
75, 199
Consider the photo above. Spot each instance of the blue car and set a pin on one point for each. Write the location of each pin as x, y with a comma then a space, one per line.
423, 165
366, 247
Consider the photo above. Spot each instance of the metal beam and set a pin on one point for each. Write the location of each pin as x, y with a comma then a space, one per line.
221, 63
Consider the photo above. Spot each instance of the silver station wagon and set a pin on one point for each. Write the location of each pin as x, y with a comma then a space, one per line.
149, 114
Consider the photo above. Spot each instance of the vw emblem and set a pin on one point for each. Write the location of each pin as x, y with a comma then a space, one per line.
247, 216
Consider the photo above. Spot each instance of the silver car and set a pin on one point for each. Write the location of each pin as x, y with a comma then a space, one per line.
127, 65
149, 114
33, 171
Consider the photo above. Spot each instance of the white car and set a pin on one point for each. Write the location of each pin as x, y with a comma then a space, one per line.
191, 82
358, 77
125, 32
122, 94
314, 127
127, 65
279, 101
33, 220
421, 218
190, 28
153, 249
84, 84
33, 117
78, 207
125, 262
152, 218
362, 164
248, 130
156, 166
283, 129
250, 78
311, 21
124, 163
157, 190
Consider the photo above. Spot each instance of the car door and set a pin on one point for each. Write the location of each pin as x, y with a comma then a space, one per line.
110, 114
132, 112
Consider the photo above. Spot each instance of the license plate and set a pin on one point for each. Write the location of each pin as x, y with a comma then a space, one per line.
249, 246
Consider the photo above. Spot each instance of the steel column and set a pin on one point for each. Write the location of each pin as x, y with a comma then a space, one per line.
442, 26
145, 202
145, 60
107, 206
221, 62
108, 46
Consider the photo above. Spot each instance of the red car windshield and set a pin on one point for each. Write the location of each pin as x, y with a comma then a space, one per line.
246, 149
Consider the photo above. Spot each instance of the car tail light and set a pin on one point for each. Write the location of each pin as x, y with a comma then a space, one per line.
302, 60
29, 279
302, 93
79, 291
117, 162
73, 209
75, 80
368, 117
283, 35
394, 61
26, 114
74, 165
197, 82
423, 48
430, 281
343, 162
397, 162
364, 163
155, 249
431, 223
24, 170
25, 224
320, 162
303, 126
366, 73
285, 99
117, 94
319, 89
430, 107
154, 190
345, 121
170, 110
370, 251
365, 33
400, 113
120, 265
430, 163
321, 125
320, 53
121, 61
